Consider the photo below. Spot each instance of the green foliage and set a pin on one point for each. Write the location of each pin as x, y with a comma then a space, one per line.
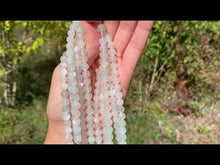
24, 125
204, 130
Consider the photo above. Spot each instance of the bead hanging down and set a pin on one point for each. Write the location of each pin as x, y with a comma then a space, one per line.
91, 118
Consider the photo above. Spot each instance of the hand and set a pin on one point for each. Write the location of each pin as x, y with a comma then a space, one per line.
130, 39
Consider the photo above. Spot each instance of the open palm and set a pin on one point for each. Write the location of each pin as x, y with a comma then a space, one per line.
130, 39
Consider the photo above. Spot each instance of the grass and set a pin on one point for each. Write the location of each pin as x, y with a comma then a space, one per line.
24, 124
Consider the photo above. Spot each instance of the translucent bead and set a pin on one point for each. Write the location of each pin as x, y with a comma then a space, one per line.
77, 139
85, 66
101, 27
65, 102
74, 98
102, 48
63, 71
86, 82
108, 130
96, 120
109, 137
63, 65
66, 116
121, 108
63, 59
69, 52
88, 103
90, 132
72, 76
70, 39
91, 139
98, 132
86, 74
76, 113
67, 123
64, 86
75, 121
88, 96
73, 89
111, 52
104, 64
87, 89
115, 73
64, 94
76, 49
111, 45
71, 33
68, 130
68, 137
98, 139
107, 123
121, 115
121, 139
75, 105
65, 108
120, 102
76, 129
119, 95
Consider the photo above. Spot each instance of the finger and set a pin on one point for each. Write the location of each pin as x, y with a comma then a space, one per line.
92, 41
136, 46
123, 35
111, 27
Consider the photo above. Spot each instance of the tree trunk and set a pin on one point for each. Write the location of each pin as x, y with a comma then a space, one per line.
10, 85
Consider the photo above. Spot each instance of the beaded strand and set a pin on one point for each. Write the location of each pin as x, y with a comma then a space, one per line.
90, 119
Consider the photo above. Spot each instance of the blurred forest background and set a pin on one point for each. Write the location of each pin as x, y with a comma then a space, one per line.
174, 95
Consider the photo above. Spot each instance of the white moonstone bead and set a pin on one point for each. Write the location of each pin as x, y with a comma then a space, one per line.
68, 130
69, 52
75, 105
66, 116
64, 86
78, 139
76, 129
63, 59
98, 139
63, 71
75, 121
101, 27
91, 139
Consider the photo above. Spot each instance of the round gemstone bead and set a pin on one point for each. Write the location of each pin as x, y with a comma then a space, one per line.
63, 59
63, 71
68, 130
101, 27
64, 86
91, 139
78, 139
69, 52
75, 105
75, 121
76, 129
111, 52
98, 139
66, 116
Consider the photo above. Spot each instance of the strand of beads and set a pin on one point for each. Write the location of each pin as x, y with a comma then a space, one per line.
104, 78
65, 99
91, 121
116, 95
87, 109
72, 85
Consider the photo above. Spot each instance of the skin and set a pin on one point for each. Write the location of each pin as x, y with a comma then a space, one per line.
130, 39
